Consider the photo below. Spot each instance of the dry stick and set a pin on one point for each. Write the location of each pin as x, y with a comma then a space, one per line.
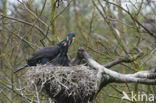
115, 77
110, 26
117, 61
125, 59
111, 19
140, 14
153, 8
27, 23
137, 27
62, 10
95, 51
112, 29
38, 19
90, 28
140, 7
33, 13
29, 43
78, 21
133, 18
8, 86
37, 93
6, 95
115, 34
58, 14
42, 40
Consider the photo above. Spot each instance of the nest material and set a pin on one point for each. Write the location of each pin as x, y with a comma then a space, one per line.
75, 84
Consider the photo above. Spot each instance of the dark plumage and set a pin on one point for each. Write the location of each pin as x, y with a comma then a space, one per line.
43, 55
57, 54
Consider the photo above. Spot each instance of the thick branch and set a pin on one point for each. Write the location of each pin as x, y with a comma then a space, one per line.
124, 59
117, 61
143, 77
150, 74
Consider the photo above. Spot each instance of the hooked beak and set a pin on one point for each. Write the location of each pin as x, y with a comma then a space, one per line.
70, 41
73, 39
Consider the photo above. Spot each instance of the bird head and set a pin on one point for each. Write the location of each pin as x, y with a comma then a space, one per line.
70, 38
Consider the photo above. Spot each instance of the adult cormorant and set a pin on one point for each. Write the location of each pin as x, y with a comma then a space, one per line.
57, 54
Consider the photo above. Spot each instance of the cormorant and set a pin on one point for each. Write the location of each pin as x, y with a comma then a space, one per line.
57, 54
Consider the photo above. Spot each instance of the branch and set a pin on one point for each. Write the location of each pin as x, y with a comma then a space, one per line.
80, 84
27, 23
33, 14
133, 18
124, 59
150, 74
117, 61
143, 77
24, 40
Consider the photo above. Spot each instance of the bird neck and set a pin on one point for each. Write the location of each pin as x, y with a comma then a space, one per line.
63, 41
60, 43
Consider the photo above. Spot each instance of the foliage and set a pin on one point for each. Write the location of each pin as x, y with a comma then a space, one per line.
26, 26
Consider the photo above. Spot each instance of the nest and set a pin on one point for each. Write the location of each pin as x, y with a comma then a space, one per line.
75, 84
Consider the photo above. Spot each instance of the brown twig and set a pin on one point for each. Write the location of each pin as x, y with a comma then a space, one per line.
27, 23
133, 18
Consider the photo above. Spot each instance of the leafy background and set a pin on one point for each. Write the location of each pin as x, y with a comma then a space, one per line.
19, 40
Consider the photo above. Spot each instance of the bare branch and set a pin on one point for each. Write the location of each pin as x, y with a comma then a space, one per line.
124, 59
143, 77
27, 23
133, 18
31, 12
117, 61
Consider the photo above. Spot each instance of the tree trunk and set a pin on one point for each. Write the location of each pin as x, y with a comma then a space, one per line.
53, 22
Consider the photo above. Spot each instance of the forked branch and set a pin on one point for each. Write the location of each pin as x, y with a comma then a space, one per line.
144, 77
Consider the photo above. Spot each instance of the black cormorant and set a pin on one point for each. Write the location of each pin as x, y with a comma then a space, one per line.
57, 54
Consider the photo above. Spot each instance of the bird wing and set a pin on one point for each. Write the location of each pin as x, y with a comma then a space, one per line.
45, 52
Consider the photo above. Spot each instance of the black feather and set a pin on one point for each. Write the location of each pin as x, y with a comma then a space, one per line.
57, 54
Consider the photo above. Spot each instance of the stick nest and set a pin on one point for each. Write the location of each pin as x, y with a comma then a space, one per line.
75, 84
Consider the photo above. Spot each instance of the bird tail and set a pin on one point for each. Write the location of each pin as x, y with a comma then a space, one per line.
21, 68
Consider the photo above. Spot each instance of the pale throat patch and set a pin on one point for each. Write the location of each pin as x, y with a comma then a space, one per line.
64, 44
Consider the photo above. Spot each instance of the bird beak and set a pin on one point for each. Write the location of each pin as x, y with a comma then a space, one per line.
73, 39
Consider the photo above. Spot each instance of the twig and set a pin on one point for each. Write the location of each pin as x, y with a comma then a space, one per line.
62, 10
29, 43
117, 61
27, 23
123, 59
110, 26
133, 18
33, 13
37, 93
143, 78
